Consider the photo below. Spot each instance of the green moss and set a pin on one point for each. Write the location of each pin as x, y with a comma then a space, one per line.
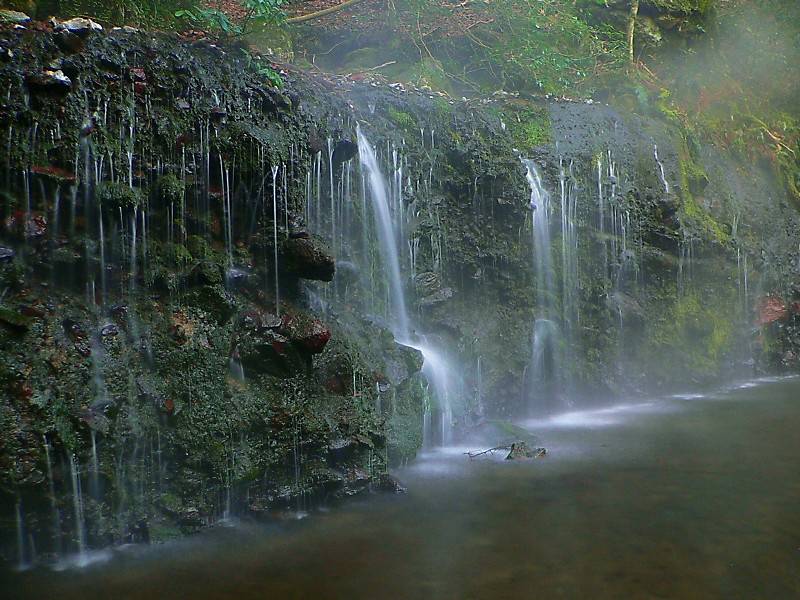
667, 108
529, 127
402, 119
442, 107
692, 176
170, 189
692, 334
119, 195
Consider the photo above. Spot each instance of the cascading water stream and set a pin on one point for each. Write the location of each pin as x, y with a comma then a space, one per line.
77, 505
54, 514
540, 207
543, 364
435, 366
275, 237
22, 561
388, 242
661, 171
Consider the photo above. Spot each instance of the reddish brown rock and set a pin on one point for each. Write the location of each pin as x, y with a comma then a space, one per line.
770, 309
309, 335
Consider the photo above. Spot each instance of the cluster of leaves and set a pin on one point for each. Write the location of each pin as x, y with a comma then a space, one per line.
550, 46
216, 19
551, 43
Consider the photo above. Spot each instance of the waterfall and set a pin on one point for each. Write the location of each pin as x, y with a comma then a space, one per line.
22, 561
570, 281
479, 408
388, 241
77, 505
540, 207
94, 488
436, 366
275, 238
543, 363
661, 169
55, 516
439, 374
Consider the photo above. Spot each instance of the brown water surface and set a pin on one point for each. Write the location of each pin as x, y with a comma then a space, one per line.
693, 497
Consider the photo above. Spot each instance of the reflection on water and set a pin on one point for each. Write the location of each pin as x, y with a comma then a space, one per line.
684, 497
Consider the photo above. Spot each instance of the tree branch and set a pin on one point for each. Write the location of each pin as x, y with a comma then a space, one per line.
322, 13
631, 26
489, 451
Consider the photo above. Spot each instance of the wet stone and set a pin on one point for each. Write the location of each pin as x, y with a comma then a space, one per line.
307, 259
13, 16
80, 26
49, 80
68, 41
344, 151
109, 330
6, 254
309, 335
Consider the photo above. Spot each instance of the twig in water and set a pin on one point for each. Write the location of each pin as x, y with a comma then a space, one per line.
488, 451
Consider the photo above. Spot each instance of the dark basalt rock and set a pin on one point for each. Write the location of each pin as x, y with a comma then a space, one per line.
343, 151
109, 330
387, 483
306, 258
69, 41
443, 295
267, 351
427, 283
401, 363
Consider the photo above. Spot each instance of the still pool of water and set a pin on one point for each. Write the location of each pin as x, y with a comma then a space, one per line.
693, 496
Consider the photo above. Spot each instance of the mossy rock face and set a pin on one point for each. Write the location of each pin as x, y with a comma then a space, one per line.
215, 300
179, 354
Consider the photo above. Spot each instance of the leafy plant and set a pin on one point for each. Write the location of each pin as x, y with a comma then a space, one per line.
214, 19
271, 75
209, 19
264, 70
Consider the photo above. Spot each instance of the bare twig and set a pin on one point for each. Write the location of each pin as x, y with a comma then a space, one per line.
386, 64
488, 451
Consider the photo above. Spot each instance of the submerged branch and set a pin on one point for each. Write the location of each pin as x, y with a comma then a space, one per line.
487, 451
